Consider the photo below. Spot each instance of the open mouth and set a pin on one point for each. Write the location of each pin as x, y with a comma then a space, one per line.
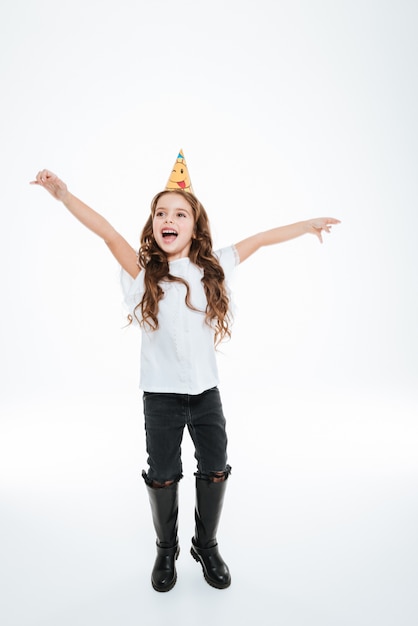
169, 235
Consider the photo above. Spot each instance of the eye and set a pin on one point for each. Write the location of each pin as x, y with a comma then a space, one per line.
159, 213
181, 215
182, 171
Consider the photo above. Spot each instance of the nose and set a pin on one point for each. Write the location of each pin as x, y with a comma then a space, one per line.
169, 219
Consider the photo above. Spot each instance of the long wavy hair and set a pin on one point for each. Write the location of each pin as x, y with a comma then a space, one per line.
155, 264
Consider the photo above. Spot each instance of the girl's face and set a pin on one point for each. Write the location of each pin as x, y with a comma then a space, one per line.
173, 225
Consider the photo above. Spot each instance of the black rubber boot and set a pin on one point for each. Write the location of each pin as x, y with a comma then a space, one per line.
164, 507
209, 501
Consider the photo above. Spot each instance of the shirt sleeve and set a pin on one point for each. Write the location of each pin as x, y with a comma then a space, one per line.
132, 290
229, 259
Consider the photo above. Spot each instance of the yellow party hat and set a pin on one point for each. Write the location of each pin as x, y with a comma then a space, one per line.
179, 179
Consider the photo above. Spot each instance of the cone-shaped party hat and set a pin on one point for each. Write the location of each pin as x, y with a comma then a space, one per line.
179, 179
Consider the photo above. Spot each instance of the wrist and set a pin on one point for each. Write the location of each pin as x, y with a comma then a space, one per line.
65, 197
306, 227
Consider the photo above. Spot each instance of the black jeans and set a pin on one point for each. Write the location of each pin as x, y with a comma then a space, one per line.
166, 415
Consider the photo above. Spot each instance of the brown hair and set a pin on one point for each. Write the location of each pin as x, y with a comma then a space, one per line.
156, 269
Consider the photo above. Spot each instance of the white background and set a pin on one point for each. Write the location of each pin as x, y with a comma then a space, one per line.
285, 111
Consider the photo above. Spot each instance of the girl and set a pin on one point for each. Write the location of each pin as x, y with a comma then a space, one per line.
177, 290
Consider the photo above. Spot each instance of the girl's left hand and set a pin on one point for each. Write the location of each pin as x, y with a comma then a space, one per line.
317, 225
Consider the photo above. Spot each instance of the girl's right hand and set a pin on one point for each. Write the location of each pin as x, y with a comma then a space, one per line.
49, 181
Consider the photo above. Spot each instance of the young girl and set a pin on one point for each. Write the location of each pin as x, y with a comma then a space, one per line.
177, 290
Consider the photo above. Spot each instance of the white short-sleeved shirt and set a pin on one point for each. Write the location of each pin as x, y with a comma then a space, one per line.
180, 356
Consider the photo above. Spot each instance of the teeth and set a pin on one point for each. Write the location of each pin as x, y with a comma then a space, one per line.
169, 232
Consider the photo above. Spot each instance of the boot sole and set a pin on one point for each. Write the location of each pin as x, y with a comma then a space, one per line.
210, 582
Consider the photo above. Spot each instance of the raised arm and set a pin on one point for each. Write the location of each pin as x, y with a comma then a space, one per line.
247, 247
118, 246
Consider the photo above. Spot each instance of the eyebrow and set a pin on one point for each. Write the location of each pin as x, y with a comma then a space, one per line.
163, 208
